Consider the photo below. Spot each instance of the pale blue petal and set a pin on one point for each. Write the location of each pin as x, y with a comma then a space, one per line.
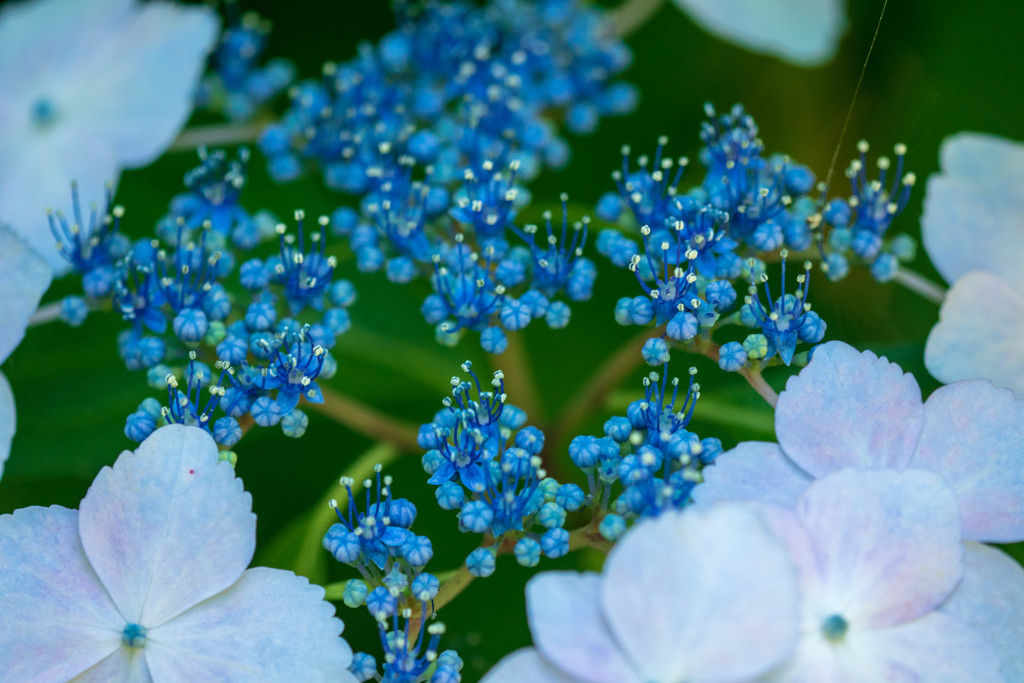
124, 665
8, 421
271, 626
753, 471
848, 409
35, 175
976, 201
980, 333
168, 526
569, 629
56, 621
141, 89
525, 665
990, 599
685, 602
887, 545
973, 437
45, 45
803, 32
24, 278
935, 648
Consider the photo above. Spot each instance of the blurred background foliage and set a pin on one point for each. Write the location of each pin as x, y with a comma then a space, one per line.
937, 68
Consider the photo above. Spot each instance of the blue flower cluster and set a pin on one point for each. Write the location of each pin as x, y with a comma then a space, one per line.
649, 452
860, 223
486, 464
236, 85
455, 85
436, 143
697, 246
396, 590
270, 351
487, 467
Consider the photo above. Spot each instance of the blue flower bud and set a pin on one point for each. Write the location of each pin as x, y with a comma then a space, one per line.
756, 346
139, 425
527, 552
425, 587
555, 543
732, 357
481, 562
612, 527
381, 603
265, 411
294, 424
655, 352
493, 340
570, 497
74, 310
190, 325
530, 439
551, 516
343, 544
363, 666
354, 593
558, 315
618, 428
227, 431
450, 496
476, 516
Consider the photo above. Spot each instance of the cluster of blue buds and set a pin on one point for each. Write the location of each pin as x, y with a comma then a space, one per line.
504, 70
649, 452
783, 321
186, 406
378, 542
698, 247
93, 248
487, 467
236, 85
271, 351
860, 223
436, 144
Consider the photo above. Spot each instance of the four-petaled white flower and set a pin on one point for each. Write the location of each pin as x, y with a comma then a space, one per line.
877, 552
973, 230
148, 581
89, 88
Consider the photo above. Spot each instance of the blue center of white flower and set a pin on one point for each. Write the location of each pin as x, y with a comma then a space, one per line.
44, 112
133, 635
834, 628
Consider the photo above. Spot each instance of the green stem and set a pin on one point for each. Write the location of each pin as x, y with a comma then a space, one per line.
366, 420
710, 349
919, 284
519, 384
217, 135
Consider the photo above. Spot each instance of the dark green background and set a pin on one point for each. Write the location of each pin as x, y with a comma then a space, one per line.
938, 68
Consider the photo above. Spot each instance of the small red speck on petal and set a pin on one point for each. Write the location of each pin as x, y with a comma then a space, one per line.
191, 471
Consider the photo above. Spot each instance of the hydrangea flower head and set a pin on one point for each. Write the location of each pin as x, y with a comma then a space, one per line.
848, 409
679, 599
89, 88
978, 199
148, 581
24, 277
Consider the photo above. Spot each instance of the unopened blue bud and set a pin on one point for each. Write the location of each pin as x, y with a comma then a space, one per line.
481, 562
